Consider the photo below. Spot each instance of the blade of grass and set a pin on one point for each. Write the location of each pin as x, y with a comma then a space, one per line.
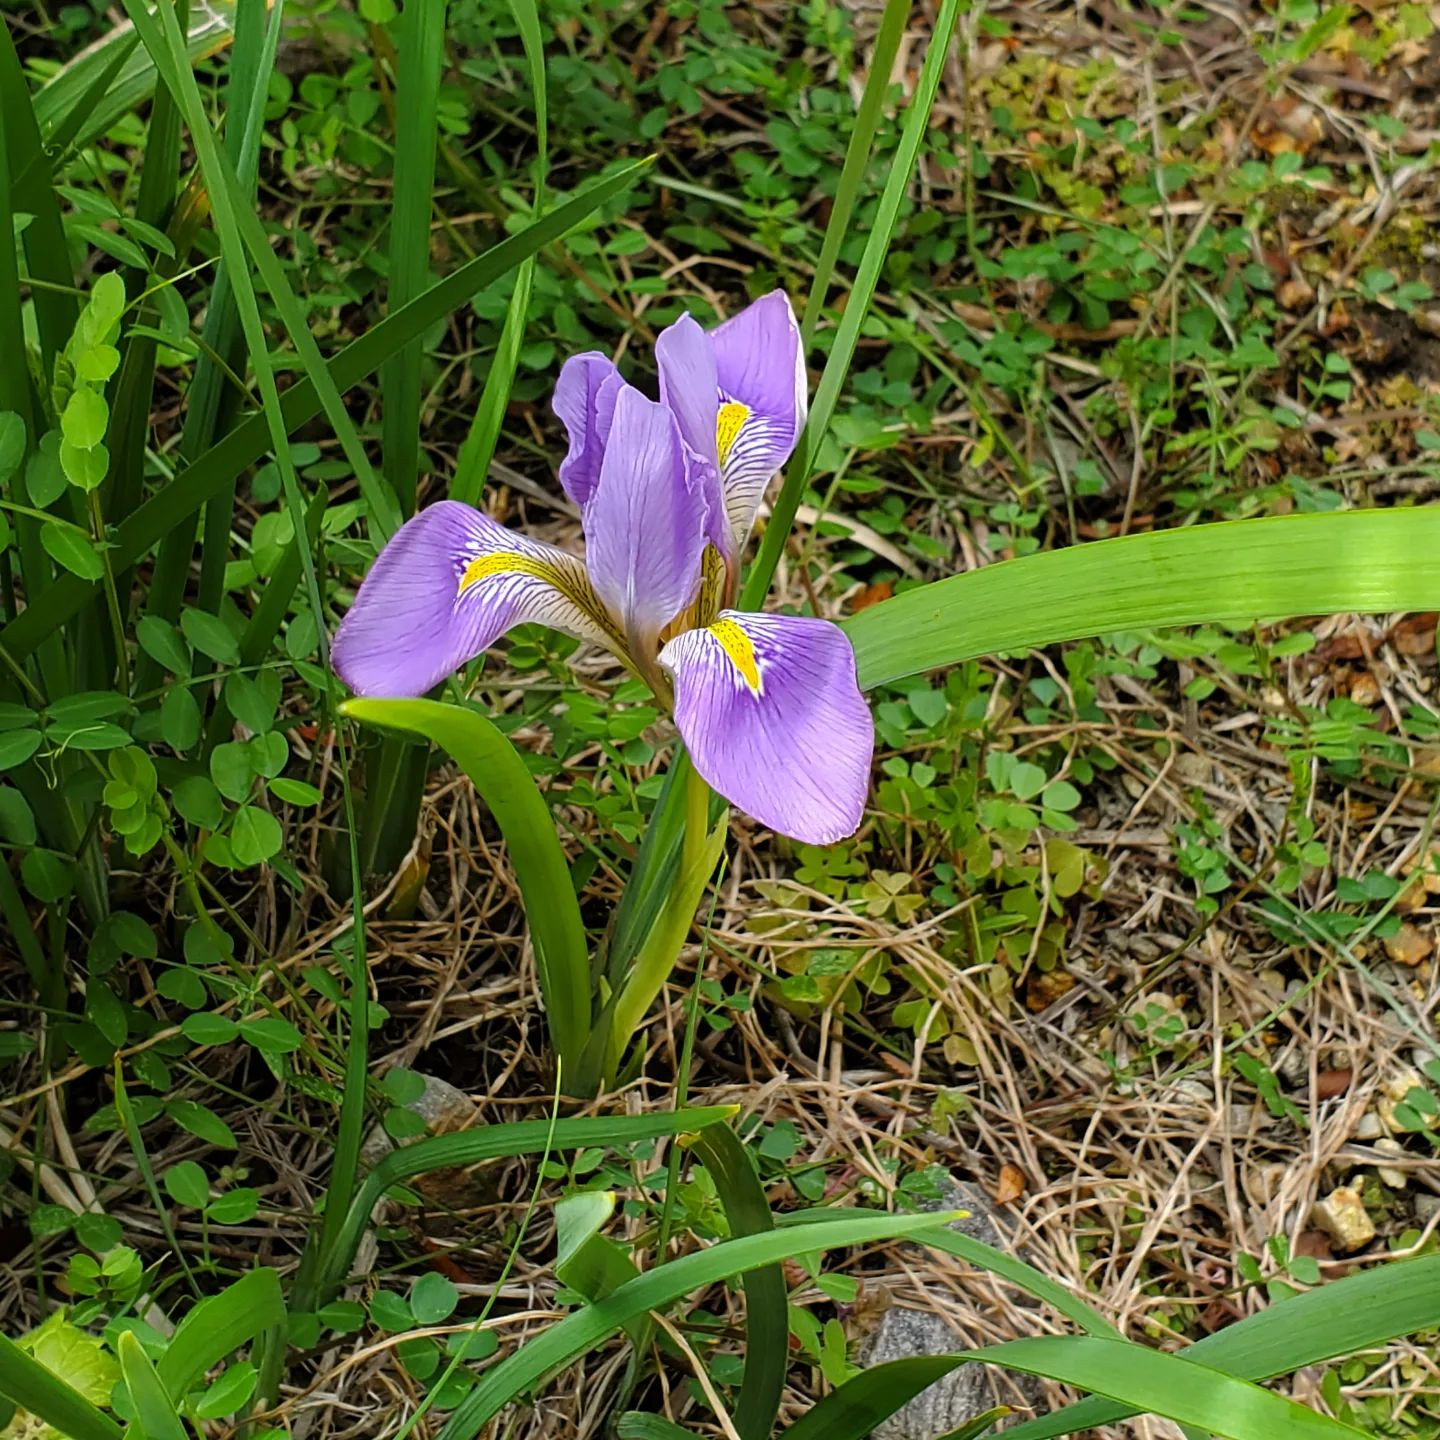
166, 46
244, 445
212, 398
877, 247
473, 462
58, 140
494, 1142
767, 1311
136, 1140
32, 1387
509, 790
1236, 571
134, 390
544, 1354
47, 256
251, 66
1343, 1317
857, 160
55, 102
417, 90
155, 1412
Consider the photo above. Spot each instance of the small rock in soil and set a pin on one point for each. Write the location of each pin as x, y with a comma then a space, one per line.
899, 1333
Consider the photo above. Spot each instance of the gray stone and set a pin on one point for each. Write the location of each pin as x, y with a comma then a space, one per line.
903, 1331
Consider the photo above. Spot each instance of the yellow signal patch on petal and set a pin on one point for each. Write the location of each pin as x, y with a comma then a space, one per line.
567, 579
508, 563
729, 421
741, 650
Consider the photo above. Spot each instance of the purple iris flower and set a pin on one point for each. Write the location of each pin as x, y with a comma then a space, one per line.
768, 705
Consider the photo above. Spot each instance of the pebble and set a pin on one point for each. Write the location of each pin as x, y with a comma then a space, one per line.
1389, 1175
1343, 1217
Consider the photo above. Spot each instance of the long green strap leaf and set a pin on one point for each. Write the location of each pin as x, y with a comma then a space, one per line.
767, 1314
1236, 571
1165, 1384
580, 1333
852, 1410
213, 470
494, 1142
998, 1262
1343, 1317
26, 1382
505, 783
917, 120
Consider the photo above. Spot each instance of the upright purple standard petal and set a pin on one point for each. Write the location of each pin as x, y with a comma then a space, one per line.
688, 385
774, 721
585, 400
645, 523
760, 369
449, 583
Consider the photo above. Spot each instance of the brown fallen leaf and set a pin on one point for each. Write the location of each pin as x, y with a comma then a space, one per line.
872, 595
1415, 634
1011, 1185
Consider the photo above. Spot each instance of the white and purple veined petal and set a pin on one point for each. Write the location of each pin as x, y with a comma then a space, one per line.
448, 584
645, 521
584, 400
760, 372
769, 708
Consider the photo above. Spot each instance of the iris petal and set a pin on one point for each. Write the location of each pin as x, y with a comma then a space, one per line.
689, 386
645, 523
760, 371
585, 402
773, 718
450, 582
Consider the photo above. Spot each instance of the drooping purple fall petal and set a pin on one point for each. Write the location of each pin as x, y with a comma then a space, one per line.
760, 371
773, 718
448, 584
585, 401
645, 521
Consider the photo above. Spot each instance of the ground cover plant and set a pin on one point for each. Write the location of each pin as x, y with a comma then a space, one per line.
402, 1033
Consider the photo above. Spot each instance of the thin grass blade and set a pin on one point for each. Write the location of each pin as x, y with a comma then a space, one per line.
211, 29
478, 450
417, 92
917, 120
852, 1410
857, 160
